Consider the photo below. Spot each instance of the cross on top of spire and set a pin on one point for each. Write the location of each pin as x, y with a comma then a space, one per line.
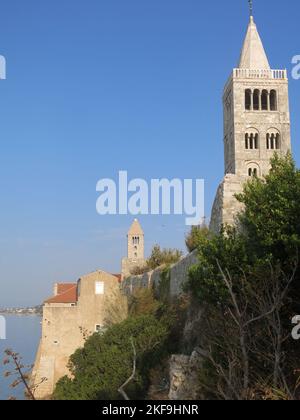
251, 7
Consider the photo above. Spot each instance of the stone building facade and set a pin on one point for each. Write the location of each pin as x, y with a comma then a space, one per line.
76, 311
256, 124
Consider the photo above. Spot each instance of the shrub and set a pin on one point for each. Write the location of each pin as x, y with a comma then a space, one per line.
105, 363
247, 279
194, 238
161, 257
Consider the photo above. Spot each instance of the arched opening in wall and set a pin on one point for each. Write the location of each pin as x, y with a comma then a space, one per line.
268, 141
273, 139
253, 170
256, 100
246, 141
251, 139
277, 141
264, 100
248, 94
273, 100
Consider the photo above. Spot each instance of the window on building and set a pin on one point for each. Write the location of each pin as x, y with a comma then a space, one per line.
248, 97
273, 100
273, 140
251, 140
264, 100
99, 288
98, 328
253, 171
277, 141
256, 101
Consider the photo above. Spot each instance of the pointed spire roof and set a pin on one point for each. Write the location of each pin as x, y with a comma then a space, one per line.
253, 54
136, 228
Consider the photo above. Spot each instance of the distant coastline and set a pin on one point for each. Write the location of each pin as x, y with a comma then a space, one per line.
34, 310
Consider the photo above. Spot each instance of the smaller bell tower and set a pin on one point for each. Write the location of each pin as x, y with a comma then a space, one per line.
135, 242
135, 250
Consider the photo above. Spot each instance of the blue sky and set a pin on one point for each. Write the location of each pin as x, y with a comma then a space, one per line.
98, 86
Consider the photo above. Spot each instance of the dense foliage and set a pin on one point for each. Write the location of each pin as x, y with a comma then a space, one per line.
106, 361
248, 280
158, 258
196, 234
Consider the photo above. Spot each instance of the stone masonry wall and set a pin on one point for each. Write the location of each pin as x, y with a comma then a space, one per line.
178, 276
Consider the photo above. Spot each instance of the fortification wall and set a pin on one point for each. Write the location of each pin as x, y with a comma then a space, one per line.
178, 276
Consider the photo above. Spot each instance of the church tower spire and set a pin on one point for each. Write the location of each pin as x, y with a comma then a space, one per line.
256, 111
135, 241
135, 250
253, 55
256, 123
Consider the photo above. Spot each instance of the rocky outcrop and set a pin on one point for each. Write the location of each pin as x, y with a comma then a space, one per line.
184, 377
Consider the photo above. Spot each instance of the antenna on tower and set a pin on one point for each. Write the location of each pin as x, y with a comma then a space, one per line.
251, 7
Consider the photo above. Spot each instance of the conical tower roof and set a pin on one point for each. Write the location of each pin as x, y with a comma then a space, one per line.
136, 228
253, 54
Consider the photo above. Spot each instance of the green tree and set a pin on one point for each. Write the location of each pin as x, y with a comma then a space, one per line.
161, 257
247, 279
194, 237
272, 206
229, 249
105, 363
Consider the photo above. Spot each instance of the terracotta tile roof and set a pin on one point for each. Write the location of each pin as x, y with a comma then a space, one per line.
67, 293
64, 287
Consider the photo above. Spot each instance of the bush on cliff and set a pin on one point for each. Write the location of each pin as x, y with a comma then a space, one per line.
158, 258
106, 361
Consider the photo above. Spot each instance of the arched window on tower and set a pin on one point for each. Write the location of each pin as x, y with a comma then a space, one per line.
248, 99
273, 139
264, 100
251, 139
256, 101
253, 169
277, 141
246, 141
273, 100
